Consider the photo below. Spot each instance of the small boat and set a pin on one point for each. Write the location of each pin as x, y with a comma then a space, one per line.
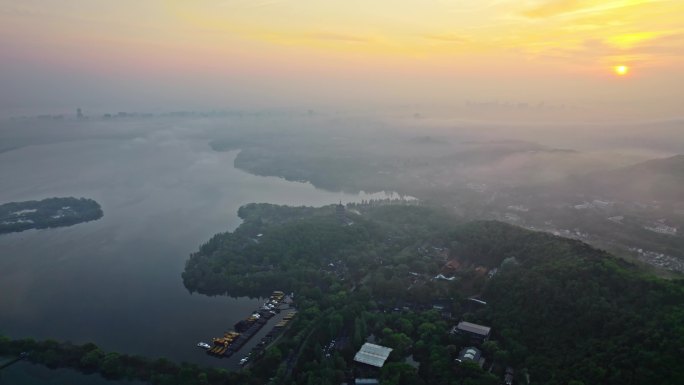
203, 345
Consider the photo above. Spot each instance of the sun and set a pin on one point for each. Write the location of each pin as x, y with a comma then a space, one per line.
621, 70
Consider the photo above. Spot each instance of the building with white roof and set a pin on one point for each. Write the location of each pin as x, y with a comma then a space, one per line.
373, 355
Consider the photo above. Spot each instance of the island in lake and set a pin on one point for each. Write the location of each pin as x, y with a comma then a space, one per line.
47, 213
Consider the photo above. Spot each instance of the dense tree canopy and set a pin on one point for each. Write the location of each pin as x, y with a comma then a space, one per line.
51, 212
561, 311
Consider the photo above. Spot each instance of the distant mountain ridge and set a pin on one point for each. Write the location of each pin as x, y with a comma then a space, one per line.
673, 165
656, 179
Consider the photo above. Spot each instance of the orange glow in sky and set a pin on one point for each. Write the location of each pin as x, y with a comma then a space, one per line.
441, 50
621, 70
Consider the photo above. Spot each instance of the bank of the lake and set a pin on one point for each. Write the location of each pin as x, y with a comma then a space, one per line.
116, 281
26, 373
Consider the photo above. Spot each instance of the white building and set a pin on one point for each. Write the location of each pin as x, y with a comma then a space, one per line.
373, 355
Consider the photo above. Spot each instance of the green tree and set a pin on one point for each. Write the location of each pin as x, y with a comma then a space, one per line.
92, 359
111, 365
400, 342
396, 373
202, 379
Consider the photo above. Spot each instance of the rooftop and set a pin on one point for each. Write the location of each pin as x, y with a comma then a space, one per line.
473, 328
371, 354
366, 381
470, 354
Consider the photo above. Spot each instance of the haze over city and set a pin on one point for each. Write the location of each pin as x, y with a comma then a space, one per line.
164, 54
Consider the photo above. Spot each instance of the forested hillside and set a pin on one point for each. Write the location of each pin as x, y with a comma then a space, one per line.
561, 311
570, 312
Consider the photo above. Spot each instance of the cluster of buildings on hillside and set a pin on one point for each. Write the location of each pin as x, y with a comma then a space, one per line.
595, 204
477, 334
372, 357
661, 228
573, 234
658, 259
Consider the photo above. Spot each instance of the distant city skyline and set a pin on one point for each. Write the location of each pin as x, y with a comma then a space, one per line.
622, 58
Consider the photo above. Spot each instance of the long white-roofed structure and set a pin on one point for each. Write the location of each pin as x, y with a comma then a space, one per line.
373, 355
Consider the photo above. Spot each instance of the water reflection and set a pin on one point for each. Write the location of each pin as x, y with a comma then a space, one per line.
116, 282
25, 373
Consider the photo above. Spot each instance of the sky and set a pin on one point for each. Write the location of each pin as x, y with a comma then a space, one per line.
137, 55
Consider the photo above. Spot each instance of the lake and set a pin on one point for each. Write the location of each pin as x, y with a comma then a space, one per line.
117, 281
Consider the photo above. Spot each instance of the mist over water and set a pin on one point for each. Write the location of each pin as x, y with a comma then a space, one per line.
117, 281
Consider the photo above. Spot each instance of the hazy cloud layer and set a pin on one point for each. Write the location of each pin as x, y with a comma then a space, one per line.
167, 54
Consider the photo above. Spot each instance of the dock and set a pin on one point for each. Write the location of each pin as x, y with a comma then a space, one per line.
273, 334
244, 330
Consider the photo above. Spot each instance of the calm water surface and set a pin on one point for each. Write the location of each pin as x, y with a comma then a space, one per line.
116, 281
25, 373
